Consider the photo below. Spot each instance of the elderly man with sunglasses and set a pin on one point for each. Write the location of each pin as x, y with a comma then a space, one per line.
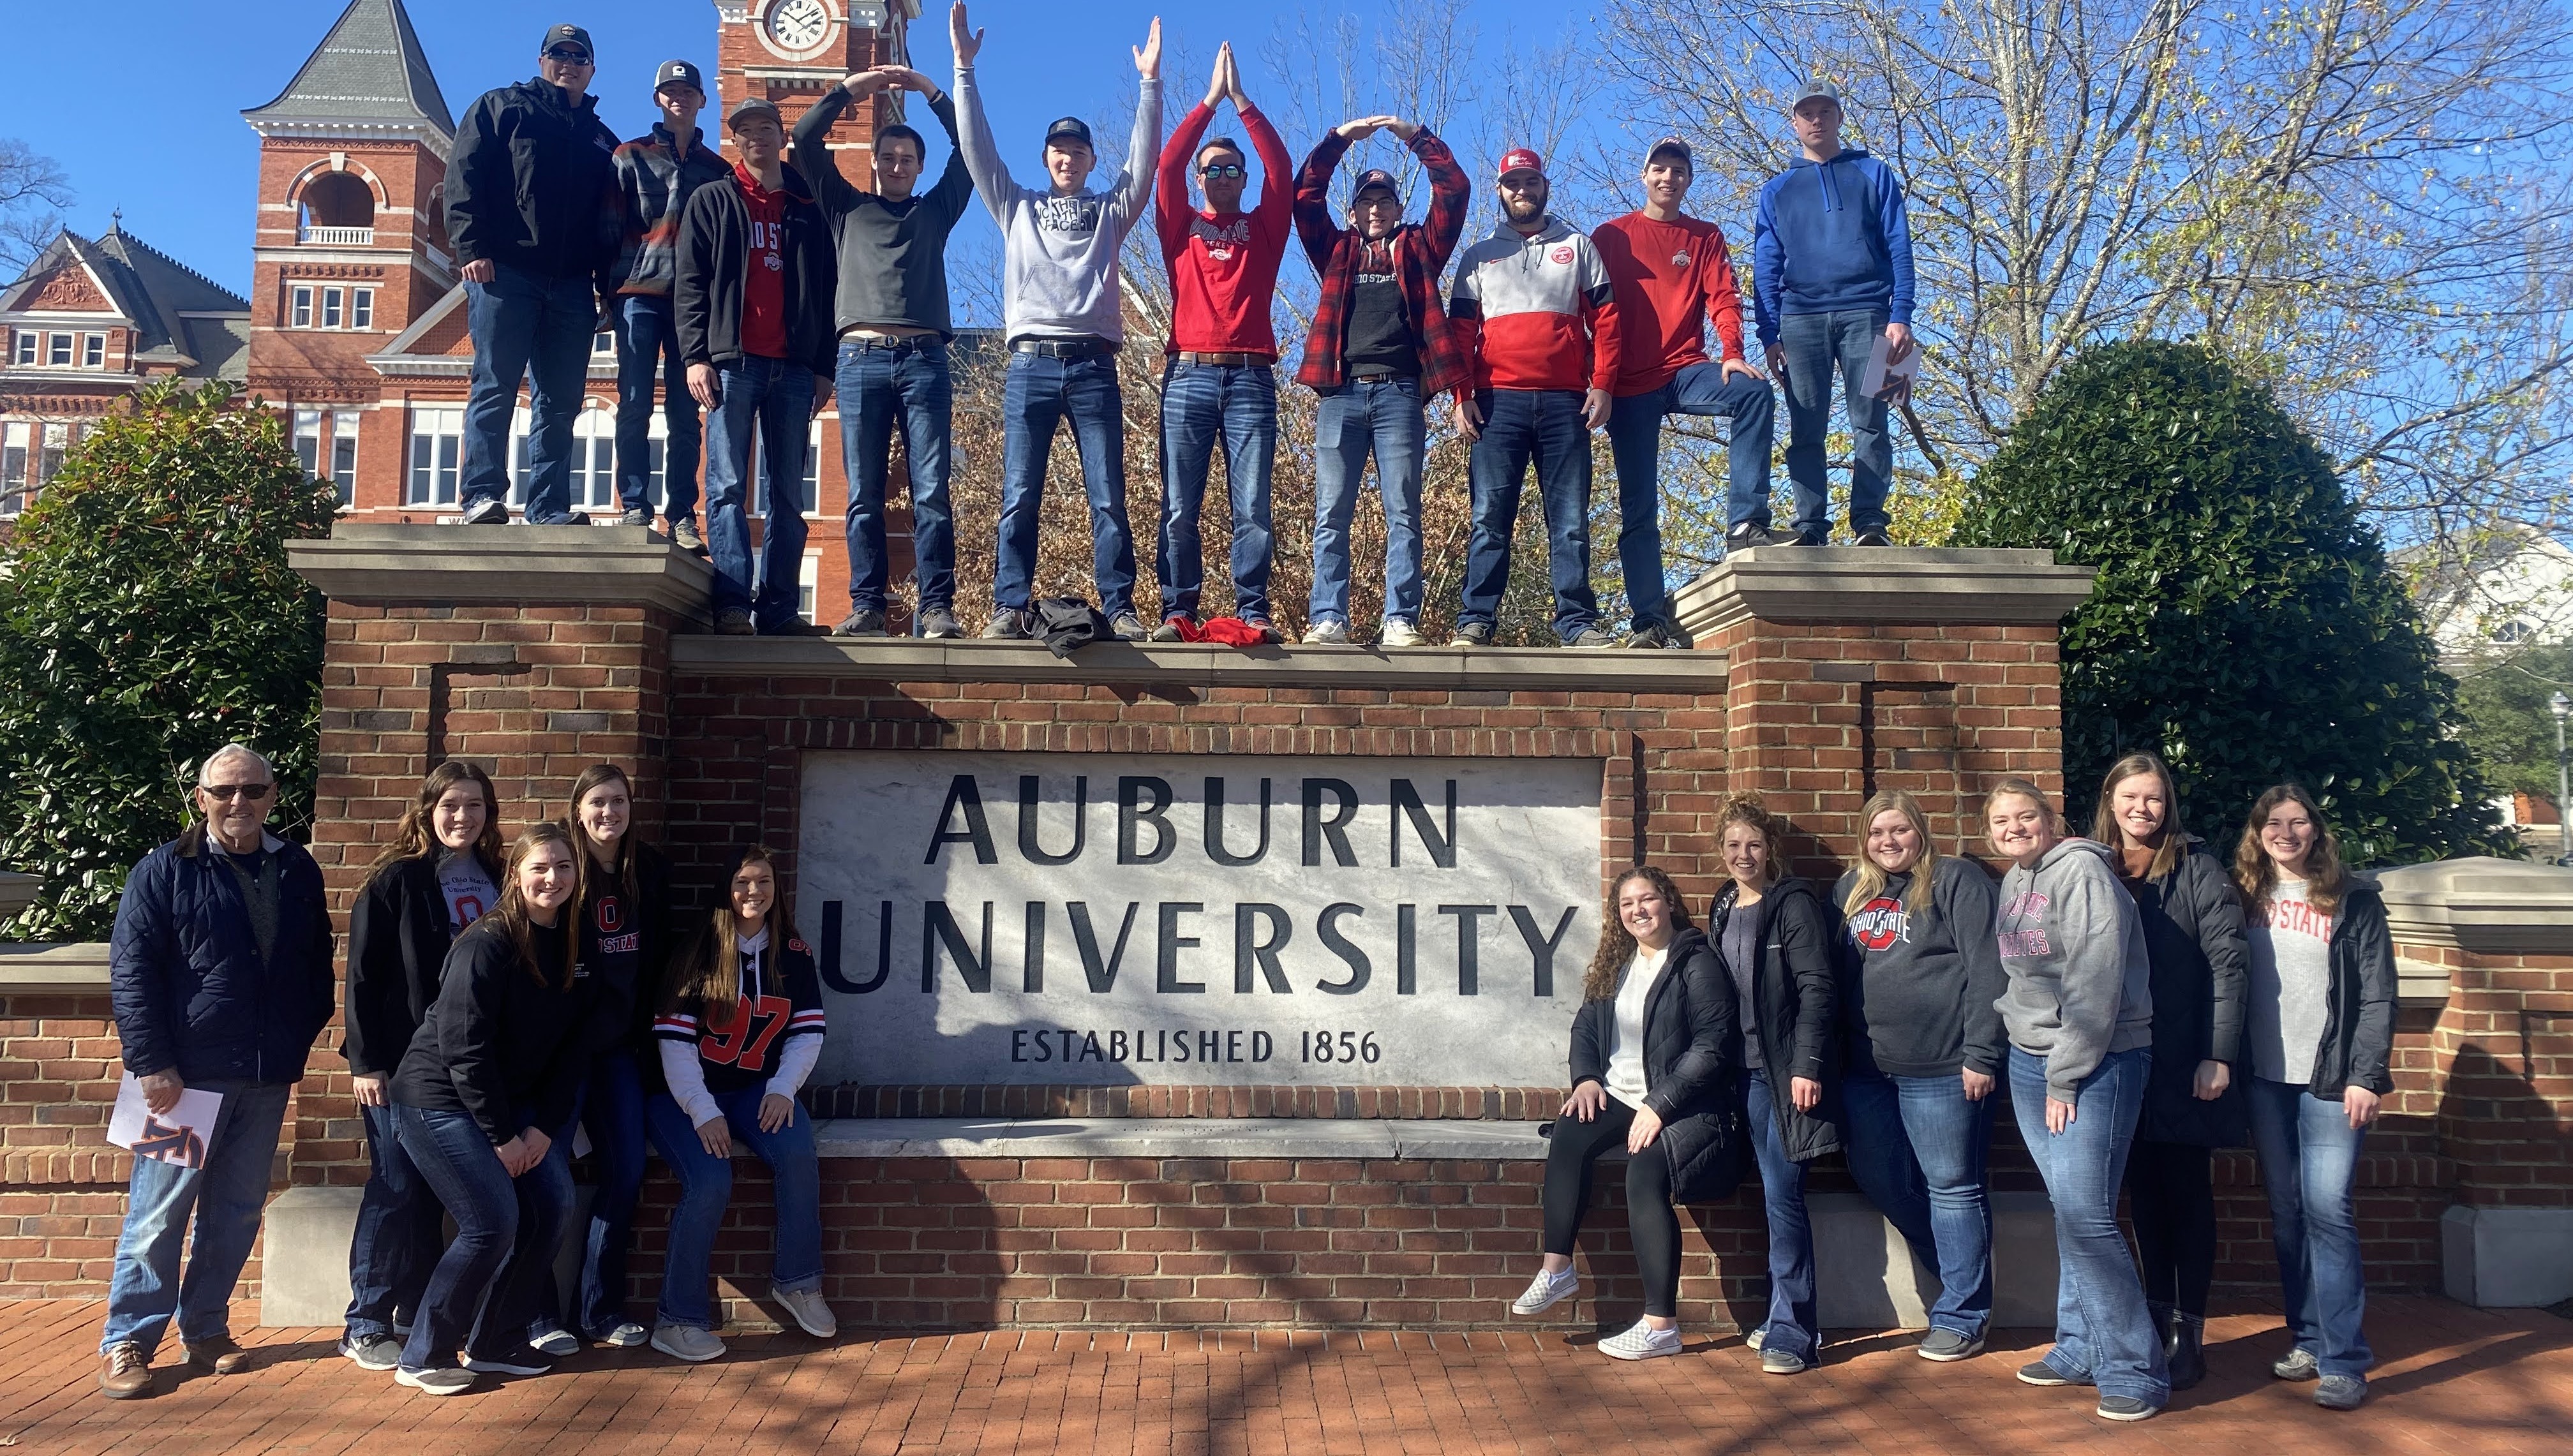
220, 975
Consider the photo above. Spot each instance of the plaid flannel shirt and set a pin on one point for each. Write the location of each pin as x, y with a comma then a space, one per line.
1421, 251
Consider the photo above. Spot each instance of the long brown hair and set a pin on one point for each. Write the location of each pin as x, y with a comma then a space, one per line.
1616, 943
511, 912
416, 833
709, 972
629, 844
2257, 875
1871, 876
1747, 809
2106, 829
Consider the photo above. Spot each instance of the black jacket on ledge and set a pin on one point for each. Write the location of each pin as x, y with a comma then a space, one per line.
715, 253
1690, 1030
531, 185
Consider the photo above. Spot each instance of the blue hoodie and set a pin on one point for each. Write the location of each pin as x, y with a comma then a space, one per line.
1831, 235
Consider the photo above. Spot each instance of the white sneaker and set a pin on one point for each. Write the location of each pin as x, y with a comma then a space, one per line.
556, 1343
1641, 1341
686, 1343
1397, 633
1545, 1290
810, 1311
1329, 632
626, 1336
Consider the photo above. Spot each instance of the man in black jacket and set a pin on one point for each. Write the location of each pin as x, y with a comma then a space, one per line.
754, 291
537, 221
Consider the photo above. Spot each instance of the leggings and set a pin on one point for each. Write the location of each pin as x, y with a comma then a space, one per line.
2171, 1191
1649, 1215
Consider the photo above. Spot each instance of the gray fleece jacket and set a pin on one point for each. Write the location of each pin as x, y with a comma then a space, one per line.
1058, 254
2080, 983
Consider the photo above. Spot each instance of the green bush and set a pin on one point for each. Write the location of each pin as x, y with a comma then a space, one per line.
2244, 624
150, 618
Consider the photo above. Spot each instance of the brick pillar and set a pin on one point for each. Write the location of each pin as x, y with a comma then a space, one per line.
533, 651
2502, 1067
1851, 670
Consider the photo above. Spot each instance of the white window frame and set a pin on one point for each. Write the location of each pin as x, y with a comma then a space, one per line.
30, 345
362, 308
300, 307
434, 470
808, 585
307, 441
59, 350
344, 455
93, 350
17, 450
49, 457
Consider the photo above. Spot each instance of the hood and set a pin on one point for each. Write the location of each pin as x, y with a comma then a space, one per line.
2078, 846
1554, 230
1827, 174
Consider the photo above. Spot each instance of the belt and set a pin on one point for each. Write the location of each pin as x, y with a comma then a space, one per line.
1377, 376
1065, 347
890, 343
1223, 360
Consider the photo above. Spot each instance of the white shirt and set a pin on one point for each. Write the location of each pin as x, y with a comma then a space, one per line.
1626, 1052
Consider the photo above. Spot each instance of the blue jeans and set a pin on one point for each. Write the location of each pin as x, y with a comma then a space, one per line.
883, 390
536, 329
1383, 416
2102, 1327
1916, 1146
774, 397
399, 1236
2309, 1168
495, 1276
647, 353
1042, 394
611, 1106
1519, 426
705, 1187
1635, 439
1203, 405
1792, 1325
227, 1195
1815, 345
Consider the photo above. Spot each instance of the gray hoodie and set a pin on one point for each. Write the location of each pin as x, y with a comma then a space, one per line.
1059, 268
2080, 984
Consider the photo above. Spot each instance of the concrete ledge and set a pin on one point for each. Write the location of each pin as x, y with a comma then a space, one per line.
2508, 1258
1203, 665
1282, 1137
1870, 585
518, 565
67, 969
2480, 904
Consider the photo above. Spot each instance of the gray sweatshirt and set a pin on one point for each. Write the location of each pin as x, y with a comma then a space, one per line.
1059, 269
2080, 984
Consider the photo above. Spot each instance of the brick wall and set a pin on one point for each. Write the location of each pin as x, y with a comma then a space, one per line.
2503, 1058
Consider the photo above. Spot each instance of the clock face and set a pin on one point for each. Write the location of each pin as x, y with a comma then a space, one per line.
799, 25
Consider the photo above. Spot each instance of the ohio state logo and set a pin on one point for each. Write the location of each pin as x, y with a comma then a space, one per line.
1562, 255
1879, 924
609, 914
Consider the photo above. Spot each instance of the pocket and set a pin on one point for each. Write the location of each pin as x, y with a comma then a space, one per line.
1329, 423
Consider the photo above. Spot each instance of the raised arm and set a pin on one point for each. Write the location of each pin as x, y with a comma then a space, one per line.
812, 157
1170, 196
974, 131
1314, 224
1449, 192
1135, 188
956, 183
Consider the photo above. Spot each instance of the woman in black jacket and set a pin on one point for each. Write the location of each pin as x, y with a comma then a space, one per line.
440, 873
492, 1073
2320, 1039
2194, 1103
1651, 1071
1773, 935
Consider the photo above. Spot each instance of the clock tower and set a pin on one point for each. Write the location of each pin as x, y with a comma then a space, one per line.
791, 51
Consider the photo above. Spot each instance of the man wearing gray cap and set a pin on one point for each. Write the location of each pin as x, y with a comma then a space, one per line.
657, 172
1831, 274
533, 217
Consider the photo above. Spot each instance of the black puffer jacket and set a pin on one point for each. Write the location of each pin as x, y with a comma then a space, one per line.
2193, 920
1690, 1032
531, 184
2357, 1048
399, 936
1798, 1009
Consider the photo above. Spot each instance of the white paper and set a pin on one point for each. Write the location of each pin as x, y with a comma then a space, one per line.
177, 1136
1879, 375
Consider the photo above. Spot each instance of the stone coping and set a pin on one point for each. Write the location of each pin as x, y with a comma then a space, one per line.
1867, 585
1286, 1137
516, 565
17, 892
77, 969
2481, 904
1203, 666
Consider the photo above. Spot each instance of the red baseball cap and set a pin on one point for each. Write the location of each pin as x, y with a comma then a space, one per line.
1522, 158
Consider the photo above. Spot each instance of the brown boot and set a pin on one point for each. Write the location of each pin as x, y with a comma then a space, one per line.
125, 1373
219, 1354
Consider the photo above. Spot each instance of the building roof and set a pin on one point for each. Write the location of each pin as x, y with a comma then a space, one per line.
369, 72
183, 319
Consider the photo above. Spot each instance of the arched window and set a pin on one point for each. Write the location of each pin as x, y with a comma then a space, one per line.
339, 208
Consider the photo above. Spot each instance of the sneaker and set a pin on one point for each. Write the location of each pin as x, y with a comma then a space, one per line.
491, 510
1783, 1362
2341, 1392
2126, 1408
1128, 627
218, 1353
2299, 1364
937, 623
372, 1352
1397, 633
1471, 634
1006, 626
639, 515
810, 1311
435, 1380
518, 1359
1873, 536
1546, 1290
2038, 1373
1754, 1338
734, 623
1327, 632
1650, 636
1592, 637
1946, 1344
125, 1372
1749, 536
862, 622
626, 1336
1795, 539
1170, 631
568, 518
686, 1343
555, 1342
683, 534
1266, 629
1641, 1341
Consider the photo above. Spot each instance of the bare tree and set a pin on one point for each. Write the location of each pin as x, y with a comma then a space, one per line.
33, 193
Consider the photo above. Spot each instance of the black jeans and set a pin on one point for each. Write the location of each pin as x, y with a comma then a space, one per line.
2170, 1188
1649, 1215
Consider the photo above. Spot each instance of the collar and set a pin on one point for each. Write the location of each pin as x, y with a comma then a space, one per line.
662, 134
751, 944
787, 183
199, 837
1554, 230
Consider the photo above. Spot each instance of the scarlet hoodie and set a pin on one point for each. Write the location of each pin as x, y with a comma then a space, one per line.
1536, 312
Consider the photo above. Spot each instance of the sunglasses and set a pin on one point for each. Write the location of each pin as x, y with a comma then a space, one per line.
568, 54
1222, 169
229, 792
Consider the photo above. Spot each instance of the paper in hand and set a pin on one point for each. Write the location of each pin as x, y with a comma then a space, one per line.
1880, 376
178, 1136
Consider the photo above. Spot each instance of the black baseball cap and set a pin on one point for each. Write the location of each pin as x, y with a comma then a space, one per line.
679, 73
751, 106
566, 35
1072, 127
1375, 179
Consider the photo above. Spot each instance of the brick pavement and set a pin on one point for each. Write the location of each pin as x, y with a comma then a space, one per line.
2452, 1380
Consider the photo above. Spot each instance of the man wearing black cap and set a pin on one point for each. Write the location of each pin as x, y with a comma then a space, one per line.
655, 175
1379, 351
754, 314
1062, 304
535, 220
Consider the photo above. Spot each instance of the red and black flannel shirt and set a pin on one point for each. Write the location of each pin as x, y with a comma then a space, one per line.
1420, 252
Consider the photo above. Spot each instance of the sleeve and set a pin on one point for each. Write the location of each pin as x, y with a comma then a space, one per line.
1895, 224
629, 202
1313, 225
806, 1023
674, 1034
1448, 193
813, 159
376, 995
2220, 938
140, 953
2083, 924
1723, 294
955, 185
982, 155
1805, 939
2372, 1046
322, 979
1715, 1018
471, 187
1969, 907
608, 251
1275, 213
1465, 323
1135, 187
691, 296
1589, 1062
469, 1012
1170, 199
1599, 303
1768, 266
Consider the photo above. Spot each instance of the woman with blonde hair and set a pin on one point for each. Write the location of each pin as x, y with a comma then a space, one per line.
1925, 1047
